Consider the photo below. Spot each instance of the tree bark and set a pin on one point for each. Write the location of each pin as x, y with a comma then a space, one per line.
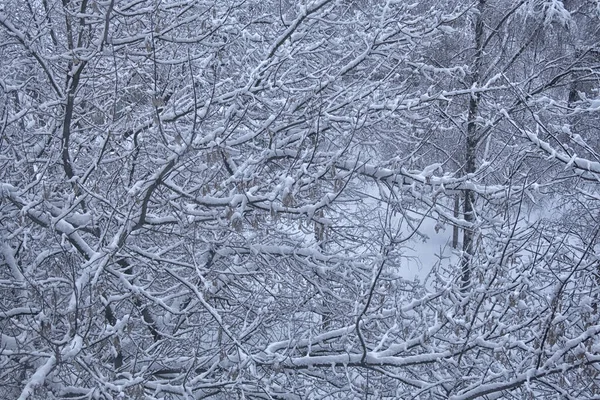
470, 151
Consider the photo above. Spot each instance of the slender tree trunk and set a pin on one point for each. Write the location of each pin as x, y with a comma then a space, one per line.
470, 151
455, 228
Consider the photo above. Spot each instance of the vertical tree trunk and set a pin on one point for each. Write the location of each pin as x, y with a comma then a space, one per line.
470, 151
455, 228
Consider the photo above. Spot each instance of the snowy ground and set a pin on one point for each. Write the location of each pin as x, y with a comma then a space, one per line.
422, 254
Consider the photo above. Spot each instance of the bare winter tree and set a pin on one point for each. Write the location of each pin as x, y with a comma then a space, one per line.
211, 199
